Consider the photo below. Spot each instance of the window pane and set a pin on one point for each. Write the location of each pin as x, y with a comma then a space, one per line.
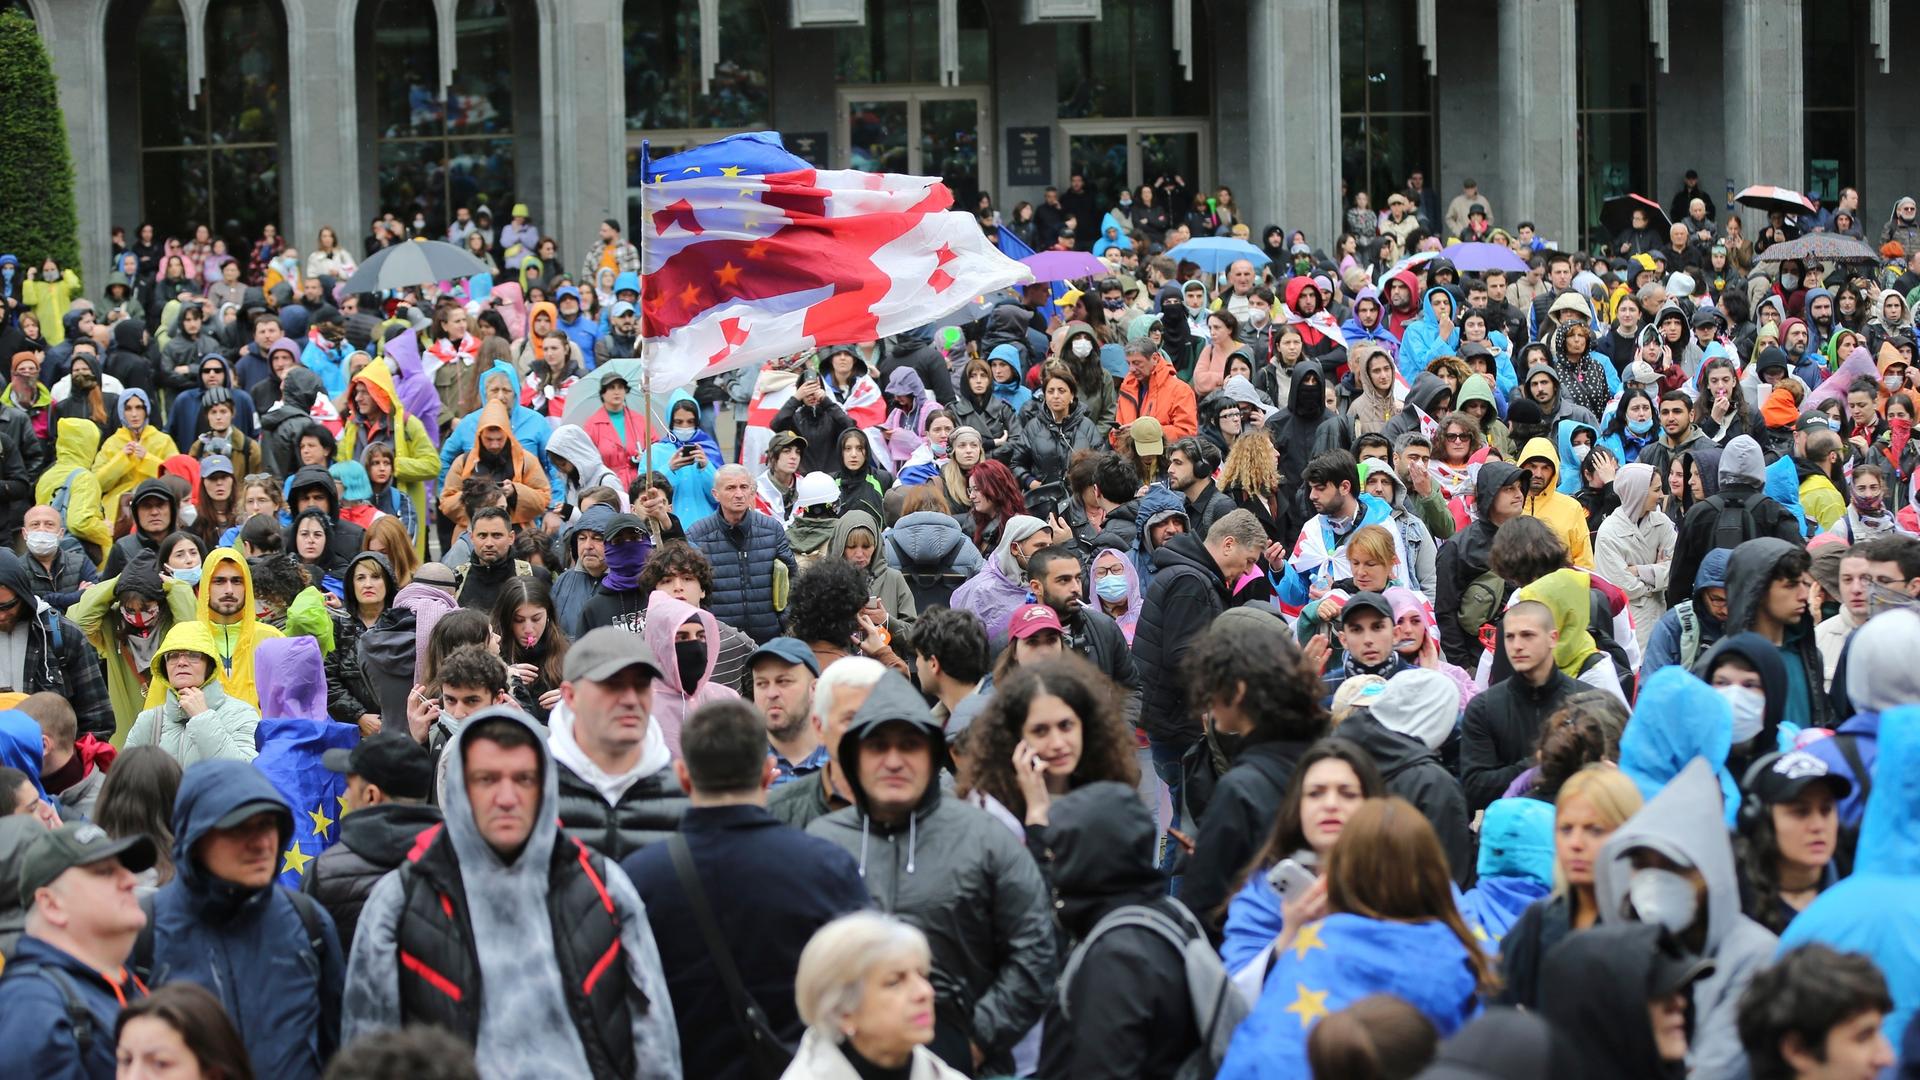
1353, 56
1831, 164
1396, 76
663, 66
1377, 153
901, 43
1614, 55
412, 178
739, 97
1094, 67
950, 147
1176, 154
174, 190
246, 190
481, 98
877, 135
246, 72
1830, 49
162, 54
1160, 87
1102, 159
406, 69
1613, 162
480, 170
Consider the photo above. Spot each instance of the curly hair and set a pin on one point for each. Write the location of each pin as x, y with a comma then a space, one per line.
1106, 746
278, 578
1463, 420
676, 558
1250, 464
995, 482
1261, 666
1582, 732
825, 601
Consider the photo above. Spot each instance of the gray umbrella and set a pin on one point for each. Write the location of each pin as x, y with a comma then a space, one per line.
419, 262
1820, 247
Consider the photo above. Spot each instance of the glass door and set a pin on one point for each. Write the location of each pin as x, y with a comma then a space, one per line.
1117, 154
934, 131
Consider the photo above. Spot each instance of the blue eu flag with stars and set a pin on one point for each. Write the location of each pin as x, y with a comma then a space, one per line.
290, 752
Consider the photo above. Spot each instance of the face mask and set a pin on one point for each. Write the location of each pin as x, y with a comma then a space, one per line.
1113, 305
1663, 898
1869, 506
691, 656
1082, 348
1125, 203
1749, 706
141, 621
939, 448
682, 434
189, 513
1789, 282
42, 543
1112, 588
191, 577
1893, 382
1580, 452
83, 382
1640, 427
1258, 316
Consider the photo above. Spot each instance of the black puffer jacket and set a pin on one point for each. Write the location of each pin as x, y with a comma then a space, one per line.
1188, 591
281, 427
649, 811
372, 842
992, 418
1043, 445
350, 690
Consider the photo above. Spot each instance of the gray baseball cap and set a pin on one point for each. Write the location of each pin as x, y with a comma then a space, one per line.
607, 651
79, 844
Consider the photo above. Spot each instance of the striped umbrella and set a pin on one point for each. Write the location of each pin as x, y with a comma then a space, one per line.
1775, 200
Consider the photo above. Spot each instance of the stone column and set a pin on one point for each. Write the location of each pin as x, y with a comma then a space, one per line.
1540, 159
73, 31
325, 159
586, 137
1764, 92
1293, 113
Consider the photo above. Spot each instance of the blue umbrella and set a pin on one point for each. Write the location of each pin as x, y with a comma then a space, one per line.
1214, 254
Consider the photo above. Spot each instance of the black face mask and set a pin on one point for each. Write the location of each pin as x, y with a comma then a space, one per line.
691, 656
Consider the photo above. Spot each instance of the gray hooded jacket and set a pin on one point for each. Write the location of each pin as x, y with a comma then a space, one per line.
525, 1028
1685, 824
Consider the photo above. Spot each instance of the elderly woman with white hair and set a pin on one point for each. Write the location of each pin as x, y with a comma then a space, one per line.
864, 994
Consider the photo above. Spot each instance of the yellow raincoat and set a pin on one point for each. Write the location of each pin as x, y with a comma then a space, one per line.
119, 473
1561, 512
415, 460
76, 443
1568, 594
234, 642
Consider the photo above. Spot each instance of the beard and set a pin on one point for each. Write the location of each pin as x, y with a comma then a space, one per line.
788, 728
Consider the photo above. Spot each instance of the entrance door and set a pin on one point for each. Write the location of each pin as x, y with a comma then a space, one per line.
1116, 154
925, 131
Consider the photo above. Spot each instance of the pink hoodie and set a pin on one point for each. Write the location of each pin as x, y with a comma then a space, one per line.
671, 701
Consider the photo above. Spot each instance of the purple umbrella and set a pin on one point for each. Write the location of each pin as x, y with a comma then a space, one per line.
1480, 258
1064, 266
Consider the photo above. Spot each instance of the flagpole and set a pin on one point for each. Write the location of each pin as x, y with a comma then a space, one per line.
646, 346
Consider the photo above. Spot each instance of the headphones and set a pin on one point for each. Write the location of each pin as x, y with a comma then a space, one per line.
1752, 810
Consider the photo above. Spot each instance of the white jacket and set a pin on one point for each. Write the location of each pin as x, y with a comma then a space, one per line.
1647, 544
820, 1059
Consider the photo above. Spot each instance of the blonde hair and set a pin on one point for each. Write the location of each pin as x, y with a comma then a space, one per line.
1375, 543
1610, 792
833, 970
1249, 464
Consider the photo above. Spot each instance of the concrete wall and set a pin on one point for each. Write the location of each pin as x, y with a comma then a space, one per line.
1689, 119
1471, 124
1892, 158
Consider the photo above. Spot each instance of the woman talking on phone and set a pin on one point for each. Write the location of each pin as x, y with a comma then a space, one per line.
1332, 779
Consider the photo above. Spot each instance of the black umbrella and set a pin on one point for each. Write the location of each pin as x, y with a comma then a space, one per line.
1820, 247
1616, 214
420, 262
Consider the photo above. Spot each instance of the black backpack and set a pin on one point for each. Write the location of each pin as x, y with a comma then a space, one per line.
1733, 522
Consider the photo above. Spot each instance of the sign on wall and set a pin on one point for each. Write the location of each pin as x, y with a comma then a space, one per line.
1029, 156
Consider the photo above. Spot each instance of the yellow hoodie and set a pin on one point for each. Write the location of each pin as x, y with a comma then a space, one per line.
233, 643
1562, 512
119, 473
415, 460
76, 442
1568, 594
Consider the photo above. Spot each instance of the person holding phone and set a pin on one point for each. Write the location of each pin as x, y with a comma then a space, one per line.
688, 457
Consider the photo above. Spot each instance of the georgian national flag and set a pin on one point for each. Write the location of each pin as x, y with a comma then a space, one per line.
749, 253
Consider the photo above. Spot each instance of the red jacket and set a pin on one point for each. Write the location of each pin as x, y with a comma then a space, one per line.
616, 453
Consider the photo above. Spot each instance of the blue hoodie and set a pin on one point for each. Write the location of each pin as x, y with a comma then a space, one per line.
1421, 344
1873, 910
1570, 479
1783, 487
1678, 718
329, 364
20, 746
530, 430
1664, 643
247, 944
1014, 393
1379, 335
1515, 866
1159, 500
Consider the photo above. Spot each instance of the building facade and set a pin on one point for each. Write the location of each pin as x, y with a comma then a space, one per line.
311, 113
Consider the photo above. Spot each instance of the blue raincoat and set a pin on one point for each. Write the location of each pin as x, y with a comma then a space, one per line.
1515, 866
1678, 718
1421, 343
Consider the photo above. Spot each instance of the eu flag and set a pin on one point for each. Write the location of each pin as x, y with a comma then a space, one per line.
1337, 961
290, 751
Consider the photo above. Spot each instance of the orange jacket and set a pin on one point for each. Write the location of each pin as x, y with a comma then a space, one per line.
1166, 399
532, 493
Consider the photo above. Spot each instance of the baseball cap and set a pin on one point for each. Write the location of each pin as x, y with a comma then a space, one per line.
785, 649
1674, 968
80, 843
254, 808
1030, 619
620, 523
623, 307
216, 465
1366, 601
1148, 436
1792, 773
780, 441
607, 651
565, 291
438, 575
390, 759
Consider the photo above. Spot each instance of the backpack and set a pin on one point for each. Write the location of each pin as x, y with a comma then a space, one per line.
1733, 522
1481, 602
140, 962
1690, 633
64, 496
1217, 1004
79, 1018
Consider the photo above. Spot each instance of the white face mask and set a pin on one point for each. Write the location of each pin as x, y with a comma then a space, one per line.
1893, 382
684, 433
42, 543
1749, 710
1581, 451
1082, 348
1662, 898
189, 513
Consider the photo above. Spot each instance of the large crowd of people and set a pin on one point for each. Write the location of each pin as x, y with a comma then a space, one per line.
1332, 661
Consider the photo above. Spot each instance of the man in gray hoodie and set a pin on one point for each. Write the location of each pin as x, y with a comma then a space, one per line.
1672, 864
497, 928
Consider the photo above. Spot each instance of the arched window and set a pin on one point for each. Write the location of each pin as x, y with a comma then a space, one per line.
901, 43
214, 161
1123, 64
663, 66
434, 154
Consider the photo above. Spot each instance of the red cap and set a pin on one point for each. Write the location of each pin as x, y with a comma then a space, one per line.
1030, 619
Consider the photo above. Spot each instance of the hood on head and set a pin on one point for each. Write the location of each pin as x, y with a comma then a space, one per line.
1495, 475
1135, 597
193, 637
474, 853
1594, 988
1516, 838
147, 489
313, 477
1632, 482
1676, 718
495, 417
1426, 392
1749, 570
1890, 827
300, 388
572, 442
1102, 838
1421, 704
22, 746
666, 614
593, 519
127, 334
905, 382
1712, 574
1568, 480
843, 528
1685, 821
133, 393
209, 791
927, 537
893, 700
378, 379
1760, 655
1881, 673
1539, 449
1742, 462
1307, 393
1476, 387
204, 610
76, 441
291, 678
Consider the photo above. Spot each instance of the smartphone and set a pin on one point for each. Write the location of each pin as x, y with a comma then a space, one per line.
1290, 879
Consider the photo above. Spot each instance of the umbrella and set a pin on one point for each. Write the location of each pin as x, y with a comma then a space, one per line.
583, 397
1065, 266
1411, 262
1775, 200
419, 263
1215, 253
1616, 214
1820, 247
1480, 258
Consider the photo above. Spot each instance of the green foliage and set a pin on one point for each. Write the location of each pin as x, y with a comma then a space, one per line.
38, 217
